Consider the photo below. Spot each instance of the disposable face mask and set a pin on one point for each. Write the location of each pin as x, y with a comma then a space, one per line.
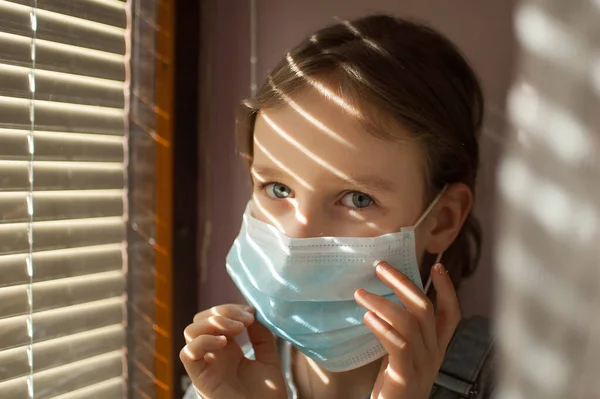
303, 288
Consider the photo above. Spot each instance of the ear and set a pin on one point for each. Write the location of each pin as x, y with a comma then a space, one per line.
447, 217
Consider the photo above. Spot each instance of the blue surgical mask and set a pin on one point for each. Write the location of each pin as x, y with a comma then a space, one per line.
303, 288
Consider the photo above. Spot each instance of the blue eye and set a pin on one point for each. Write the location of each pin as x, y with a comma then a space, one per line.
356, 199
278, 190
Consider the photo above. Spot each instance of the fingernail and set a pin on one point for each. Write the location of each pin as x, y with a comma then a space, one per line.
235, 324
382, 267
221, 339
440, 269
362, 293
248, 317
249, 309
218, 342
385, 270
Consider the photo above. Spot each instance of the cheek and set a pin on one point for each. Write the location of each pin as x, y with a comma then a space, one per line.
276, 212
262, 208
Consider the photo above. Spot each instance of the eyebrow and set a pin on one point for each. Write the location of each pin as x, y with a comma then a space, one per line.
369, 182
266, 170
366, 182
264, 173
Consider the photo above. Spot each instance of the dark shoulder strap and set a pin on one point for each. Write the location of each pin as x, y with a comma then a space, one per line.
465, 356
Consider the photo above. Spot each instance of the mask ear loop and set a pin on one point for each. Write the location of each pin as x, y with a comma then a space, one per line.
423, 216
428, 284
430, 207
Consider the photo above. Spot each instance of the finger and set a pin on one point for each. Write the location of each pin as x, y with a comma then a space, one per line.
400, 357
448, 309
264, 344
214, 325
192, 355
237, 312
400, 319
414, 299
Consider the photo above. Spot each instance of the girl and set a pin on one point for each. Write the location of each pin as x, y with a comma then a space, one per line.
362, 145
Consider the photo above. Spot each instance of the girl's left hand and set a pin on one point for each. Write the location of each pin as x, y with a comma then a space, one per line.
414, 337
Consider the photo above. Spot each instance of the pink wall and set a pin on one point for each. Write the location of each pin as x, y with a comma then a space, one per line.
483, 30
224, 188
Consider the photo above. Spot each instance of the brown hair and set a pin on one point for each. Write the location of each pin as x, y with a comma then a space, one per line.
398, 71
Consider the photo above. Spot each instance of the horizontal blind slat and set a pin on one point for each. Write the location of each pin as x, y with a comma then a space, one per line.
73, 262
55, 116
78, 118
61, 175
112, 388
75, 89
13, 207
61, 234
79, 61
60, 146
57, 205
56, 27
16, 388
59, 28
15, 19
64, 379
75, 347
77, 205
56, 323
13, 269
15, 81
15, 49
13, 238
15, 112
50, 265
14, 301
14, 144
50, 56
29, 3
109, 12
14, 363
77, 233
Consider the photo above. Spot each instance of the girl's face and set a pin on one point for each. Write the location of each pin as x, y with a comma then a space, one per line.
316, 172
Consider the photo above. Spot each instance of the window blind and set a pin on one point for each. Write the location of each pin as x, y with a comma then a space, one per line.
63, 197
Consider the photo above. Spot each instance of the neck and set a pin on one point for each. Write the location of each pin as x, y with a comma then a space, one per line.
314, 382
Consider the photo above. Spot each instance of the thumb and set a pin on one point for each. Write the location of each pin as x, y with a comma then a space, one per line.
264, 344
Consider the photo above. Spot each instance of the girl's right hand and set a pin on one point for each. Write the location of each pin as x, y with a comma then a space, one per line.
215, 361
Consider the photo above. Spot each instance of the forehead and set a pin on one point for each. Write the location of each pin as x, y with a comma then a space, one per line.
316, 138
